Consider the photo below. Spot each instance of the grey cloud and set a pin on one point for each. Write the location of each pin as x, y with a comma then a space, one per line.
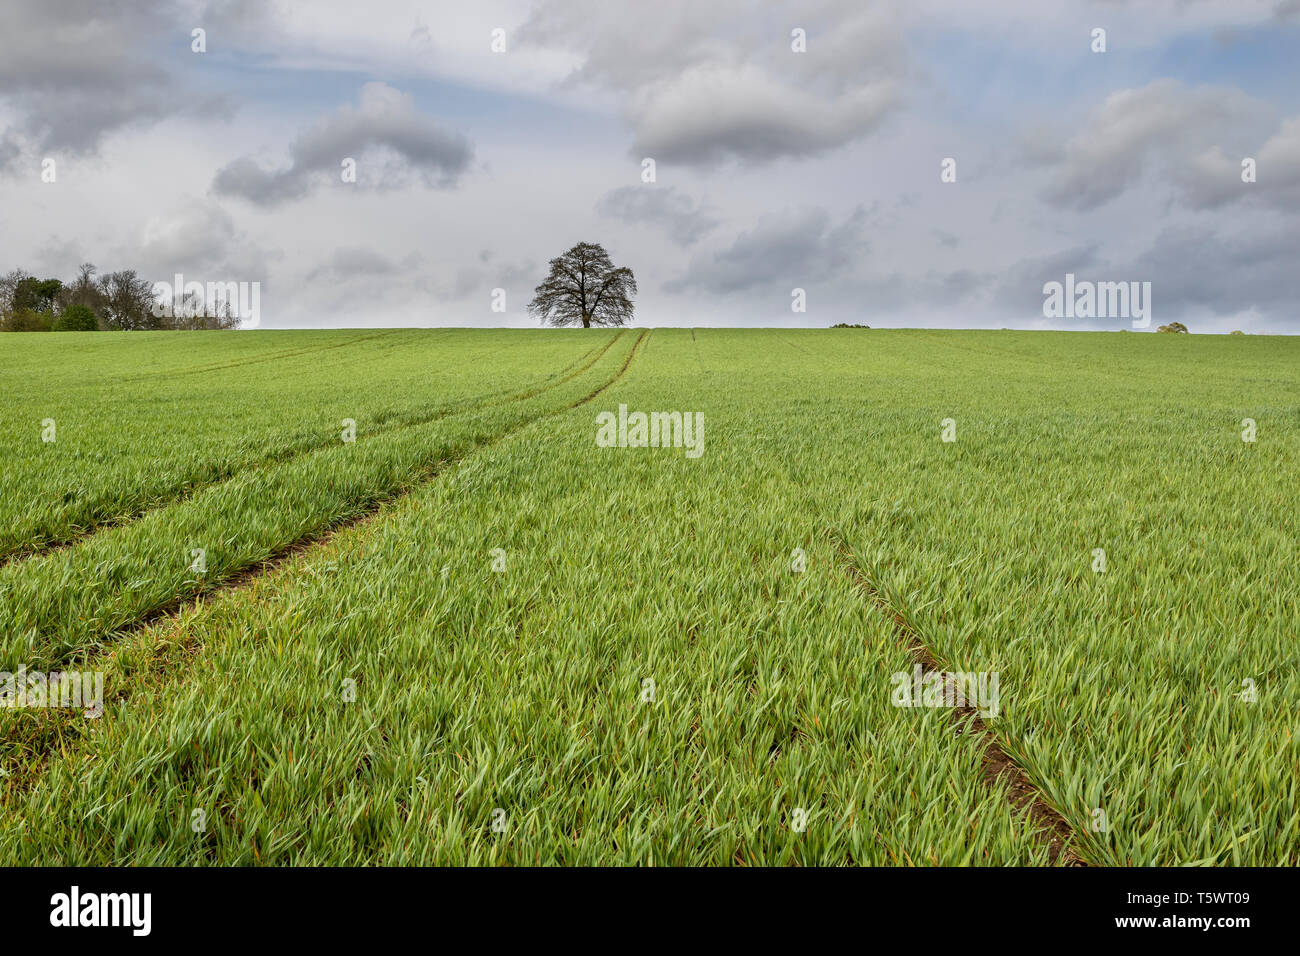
1287, 10
712, 114
245, 178
626, 48
196, 238
238, 21
1213, 178
662, 206
788, 249
1197, 269
359, 274
1019, 289
702, 84
354, 261
11, 151
362, 280
59, 256
199, 238
385, 124
77, 70
1194, 270
1162, 122
1195, 138
478, 280
882, 299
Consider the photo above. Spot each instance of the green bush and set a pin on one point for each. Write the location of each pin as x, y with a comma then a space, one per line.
76, 318
26, 320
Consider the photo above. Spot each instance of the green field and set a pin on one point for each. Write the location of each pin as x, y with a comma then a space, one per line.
473, 635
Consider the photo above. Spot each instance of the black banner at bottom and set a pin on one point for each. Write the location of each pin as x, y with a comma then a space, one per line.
335, 906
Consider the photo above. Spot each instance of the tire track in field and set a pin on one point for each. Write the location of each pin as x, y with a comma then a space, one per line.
645, 334
52, 545
258, 359
696, 346
43, 728
996, 764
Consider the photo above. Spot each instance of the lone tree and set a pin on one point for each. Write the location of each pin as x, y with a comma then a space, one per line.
584, 286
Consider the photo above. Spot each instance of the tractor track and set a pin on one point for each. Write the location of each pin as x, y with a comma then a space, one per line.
22, 775
997, 766
53, 545
258, 360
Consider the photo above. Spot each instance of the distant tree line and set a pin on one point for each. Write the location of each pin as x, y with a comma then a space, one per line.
114, 302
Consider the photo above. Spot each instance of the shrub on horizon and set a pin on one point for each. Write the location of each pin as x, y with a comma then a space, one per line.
76, 318
26, 320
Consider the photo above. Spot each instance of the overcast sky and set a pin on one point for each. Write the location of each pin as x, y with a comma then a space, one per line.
774, 169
